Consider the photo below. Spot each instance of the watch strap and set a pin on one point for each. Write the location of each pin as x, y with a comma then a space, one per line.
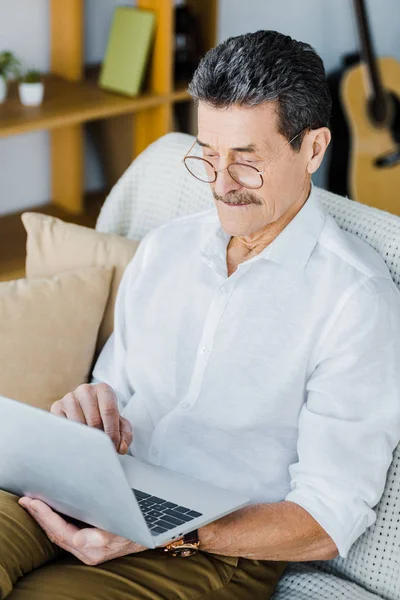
186, 546
192, 537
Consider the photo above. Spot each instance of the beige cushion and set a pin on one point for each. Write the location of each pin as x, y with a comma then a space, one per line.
54, 246
48, 333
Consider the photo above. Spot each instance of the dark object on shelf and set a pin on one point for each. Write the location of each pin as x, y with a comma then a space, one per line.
340, 144
185, 118
187, 43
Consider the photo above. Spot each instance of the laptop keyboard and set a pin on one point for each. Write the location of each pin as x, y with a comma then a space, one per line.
161, 515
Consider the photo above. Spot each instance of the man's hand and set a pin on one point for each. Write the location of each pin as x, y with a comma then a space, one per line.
92, 546
96, 406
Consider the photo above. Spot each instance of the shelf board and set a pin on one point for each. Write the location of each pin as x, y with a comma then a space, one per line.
70, 103
13, 236
180, 94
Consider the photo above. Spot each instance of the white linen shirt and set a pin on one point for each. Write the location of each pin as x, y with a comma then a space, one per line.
281, 382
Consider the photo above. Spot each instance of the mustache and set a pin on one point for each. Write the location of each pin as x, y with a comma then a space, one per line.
241, 197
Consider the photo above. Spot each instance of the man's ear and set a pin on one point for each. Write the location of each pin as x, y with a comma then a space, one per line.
317, 143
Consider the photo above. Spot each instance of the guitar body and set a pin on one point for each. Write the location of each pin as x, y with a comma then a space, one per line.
368, 182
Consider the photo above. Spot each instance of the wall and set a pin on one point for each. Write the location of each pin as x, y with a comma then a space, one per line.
328, 25
25, 159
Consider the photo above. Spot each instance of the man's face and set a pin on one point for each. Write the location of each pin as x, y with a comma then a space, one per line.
249, 136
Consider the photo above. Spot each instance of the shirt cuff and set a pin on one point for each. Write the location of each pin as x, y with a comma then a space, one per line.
344, 529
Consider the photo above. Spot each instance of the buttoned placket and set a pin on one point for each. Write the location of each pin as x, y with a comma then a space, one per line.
221, 296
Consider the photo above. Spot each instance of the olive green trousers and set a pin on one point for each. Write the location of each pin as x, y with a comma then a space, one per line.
32, 568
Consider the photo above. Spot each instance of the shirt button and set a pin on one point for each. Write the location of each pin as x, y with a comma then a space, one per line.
204, 350
186, 406
222, 290
154, 452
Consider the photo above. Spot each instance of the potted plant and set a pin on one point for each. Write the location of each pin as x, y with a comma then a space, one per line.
9, 65
31, 88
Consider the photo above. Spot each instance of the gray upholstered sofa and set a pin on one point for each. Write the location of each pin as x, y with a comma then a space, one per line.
157, 188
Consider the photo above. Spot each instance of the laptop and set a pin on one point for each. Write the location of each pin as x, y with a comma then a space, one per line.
76, 470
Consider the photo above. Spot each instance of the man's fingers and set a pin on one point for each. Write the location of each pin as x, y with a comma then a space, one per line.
87, 396
57, 409
73, 409
97, 407
57, 529
126, 435
109, 412
90, 545
91, 537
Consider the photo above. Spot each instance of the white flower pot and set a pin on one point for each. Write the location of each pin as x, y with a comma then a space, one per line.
3, 89
31, 94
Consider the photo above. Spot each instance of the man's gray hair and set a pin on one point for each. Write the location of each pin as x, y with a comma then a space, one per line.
266, 66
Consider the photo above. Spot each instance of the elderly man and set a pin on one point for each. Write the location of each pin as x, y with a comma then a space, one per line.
256, 346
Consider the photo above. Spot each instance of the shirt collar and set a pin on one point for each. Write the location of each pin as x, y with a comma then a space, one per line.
294, 245
291, 248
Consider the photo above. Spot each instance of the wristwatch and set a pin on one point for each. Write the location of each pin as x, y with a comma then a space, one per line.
187, 546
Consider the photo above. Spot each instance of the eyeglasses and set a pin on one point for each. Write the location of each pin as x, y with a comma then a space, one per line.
245, 175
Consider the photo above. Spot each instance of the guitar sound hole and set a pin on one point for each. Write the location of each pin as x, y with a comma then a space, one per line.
386, 114
379, 109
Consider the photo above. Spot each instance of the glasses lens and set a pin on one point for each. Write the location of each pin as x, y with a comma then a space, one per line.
245, 175
201, 169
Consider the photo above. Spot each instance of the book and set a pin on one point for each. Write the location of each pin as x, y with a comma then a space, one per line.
128, 49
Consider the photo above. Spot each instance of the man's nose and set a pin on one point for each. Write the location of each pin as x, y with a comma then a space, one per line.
224, 183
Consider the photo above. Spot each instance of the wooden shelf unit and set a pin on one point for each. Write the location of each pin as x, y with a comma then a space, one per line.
73, 100
71, 103
70, 100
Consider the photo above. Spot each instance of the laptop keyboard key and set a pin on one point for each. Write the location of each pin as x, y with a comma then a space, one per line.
156, 530
169, 505
146, 503
172, 520
141, 495
150, 519
154, 508
178, 515
194, 514
182, 509
163, 523
157, 500
155, 513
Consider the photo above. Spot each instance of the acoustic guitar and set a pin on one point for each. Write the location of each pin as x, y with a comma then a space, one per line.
370, 94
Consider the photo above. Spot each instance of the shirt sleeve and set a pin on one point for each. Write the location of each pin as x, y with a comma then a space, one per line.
349, 424
111, 365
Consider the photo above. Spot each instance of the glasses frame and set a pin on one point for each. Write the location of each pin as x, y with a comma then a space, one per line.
216, 171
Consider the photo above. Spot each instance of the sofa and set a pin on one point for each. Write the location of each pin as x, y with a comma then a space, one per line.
155, 189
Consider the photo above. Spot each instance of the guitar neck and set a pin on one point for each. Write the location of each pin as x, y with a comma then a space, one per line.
367, 51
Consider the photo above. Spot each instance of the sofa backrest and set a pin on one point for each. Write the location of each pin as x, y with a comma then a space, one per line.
157, 188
